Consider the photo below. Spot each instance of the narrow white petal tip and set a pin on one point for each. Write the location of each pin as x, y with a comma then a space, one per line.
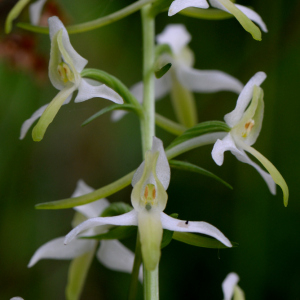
179, 5
16, 298
199, 227
229, 284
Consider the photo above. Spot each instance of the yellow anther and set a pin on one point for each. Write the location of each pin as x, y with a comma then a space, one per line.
248, 127
65, 73
149, 196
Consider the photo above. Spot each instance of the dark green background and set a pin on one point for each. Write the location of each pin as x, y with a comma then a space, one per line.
267, 258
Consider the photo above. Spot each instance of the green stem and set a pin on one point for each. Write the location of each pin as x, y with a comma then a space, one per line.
91, 25
151, 291
148, 122
206, 139
151, 284
169, 125
135, 270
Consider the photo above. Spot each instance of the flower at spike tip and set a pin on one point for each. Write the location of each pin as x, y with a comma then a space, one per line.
111, 253
231, 290
149, 199
182, 79
64, 72
245, 122
243, 14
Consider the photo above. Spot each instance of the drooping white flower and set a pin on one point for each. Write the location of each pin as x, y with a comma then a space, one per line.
149, 199
111, 253
241, 13
246, 122
64, 72
182, 78
231, 290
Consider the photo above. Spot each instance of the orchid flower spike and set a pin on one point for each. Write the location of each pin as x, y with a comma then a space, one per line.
245, 122
149, 199
182, 79
231, 290
243, 14
64, 72
111, 253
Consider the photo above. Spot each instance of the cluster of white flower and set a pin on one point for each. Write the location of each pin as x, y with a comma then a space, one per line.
151, 180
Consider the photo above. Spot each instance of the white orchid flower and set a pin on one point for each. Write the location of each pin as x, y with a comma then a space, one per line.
231, 290
243, 14
149, 199
64, 72
245, 122
182, 79
111, 253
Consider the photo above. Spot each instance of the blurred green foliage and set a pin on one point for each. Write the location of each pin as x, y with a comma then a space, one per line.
101, 152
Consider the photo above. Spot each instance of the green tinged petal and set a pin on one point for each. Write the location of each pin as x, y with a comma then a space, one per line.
207, 14
77, 274
14, 13
151, 231
183, 103
47, 117
243, 19
238, 293
277, 177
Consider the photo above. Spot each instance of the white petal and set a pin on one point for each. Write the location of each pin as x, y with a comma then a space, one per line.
162, 166
252, 15
176, 36
200, 227
90, 210
228, 285
220, 146
56, 249
207, 81
179, 5
81, 189
27, 124
244, 99
88, 91
115, 256
128, 219
35, 10
16, 298
55, 25
227, 144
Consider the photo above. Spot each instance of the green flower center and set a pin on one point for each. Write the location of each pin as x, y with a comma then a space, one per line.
248, 127
65, 73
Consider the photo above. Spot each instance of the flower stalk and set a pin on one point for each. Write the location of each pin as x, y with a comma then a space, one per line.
151, 290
